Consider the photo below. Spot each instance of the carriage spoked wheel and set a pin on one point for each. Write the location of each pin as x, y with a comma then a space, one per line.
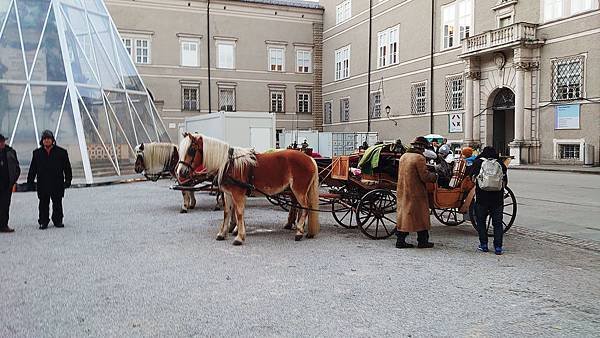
508, 214
376, 214
449, 216
282, 200
344, 209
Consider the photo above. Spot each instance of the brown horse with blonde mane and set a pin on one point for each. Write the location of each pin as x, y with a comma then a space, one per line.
240, 171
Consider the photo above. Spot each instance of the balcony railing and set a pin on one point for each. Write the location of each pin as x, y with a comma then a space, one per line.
501, 37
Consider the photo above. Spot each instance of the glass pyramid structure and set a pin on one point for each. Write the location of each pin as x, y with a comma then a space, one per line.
63, 67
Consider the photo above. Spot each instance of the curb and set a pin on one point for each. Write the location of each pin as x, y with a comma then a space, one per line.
102, 184
577, 171
557, 238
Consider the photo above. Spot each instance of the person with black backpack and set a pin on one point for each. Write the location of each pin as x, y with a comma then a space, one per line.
490, 176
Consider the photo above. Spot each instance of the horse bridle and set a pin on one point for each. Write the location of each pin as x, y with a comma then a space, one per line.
191, 152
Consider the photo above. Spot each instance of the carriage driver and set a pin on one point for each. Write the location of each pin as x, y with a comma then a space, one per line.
413, 204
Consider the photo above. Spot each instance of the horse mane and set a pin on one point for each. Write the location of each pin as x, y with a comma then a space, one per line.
215, 155
157, 156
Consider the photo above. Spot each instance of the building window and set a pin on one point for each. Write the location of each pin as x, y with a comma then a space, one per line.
303, 102
304, 61
578, 6
276, 59
556, 9
342, 63
226, 99
128, 46
138, 48
505, 21
569, 151
226, 54
567, 78
327, 112
343, 11
454, 93
190, 98
457, 18
376, 105
277, 101
418, 98
388, 46
142, 51
189, 53
345, 110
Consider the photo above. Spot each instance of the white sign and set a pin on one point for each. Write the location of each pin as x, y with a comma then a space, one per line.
567, 117
455, 122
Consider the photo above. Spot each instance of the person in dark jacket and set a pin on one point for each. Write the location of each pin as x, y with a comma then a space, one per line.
489, 203
9, 174
50, 164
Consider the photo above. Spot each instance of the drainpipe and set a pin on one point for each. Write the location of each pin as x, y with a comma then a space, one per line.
208, 53
369, 68
431, 67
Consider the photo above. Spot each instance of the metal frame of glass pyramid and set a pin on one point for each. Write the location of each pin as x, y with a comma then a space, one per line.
63, 67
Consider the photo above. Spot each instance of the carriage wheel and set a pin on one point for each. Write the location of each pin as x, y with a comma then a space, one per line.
448, 216
376, 214
282, 200
508, 217
344, 209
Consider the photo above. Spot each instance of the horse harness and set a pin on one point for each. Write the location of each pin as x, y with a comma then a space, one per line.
249, 184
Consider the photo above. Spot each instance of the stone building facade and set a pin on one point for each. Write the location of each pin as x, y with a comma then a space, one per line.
262, 54
523, 76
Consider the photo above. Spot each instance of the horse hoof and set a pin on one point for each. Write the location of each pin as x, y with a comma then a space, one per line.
216, 209
220, 238
310, 236
183, 211
234, 233
237, 242
288, 227
298, 238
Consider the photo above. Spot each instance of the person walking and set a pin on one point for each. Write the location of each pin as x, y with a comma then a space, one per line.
490, 176
51, 165
412, 200
9, 174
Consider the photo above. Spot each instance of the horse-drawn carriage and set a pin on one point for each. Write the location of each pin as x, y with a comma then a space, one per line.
368, 201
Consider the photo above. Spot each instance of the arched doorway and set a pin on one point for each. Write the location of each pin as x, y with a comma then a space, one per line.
503, 131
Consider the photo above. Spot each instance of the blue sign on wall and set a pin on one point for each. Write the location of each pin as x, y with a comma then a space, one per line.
567, 117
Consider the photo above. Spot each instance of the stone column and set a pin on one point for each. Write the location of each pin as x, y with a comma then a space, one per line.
471, 74
476, 112
519, 103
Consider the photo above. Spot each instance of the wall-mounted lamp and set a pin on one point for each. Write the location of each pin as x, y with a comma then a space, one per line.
387, 113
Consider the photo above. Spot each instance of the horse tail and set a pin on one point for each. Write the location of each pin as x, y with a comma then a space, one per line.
313, 203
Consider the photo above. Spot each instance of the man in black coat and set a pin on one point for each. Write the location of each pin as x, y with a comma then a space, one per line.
9, 174
50, 163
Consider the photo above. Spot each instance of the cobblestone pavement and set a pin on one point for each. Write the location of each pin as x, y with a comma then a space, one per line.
128, 264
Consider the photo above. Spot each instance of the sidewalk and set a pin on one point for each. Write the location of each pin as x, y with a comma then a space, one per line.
580, 169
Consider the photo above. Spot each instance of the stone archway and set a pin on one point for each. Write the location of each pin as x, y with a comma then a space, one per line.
503, 119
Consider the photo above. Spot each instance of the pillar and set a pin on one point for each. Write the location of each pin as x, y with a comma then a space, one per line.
519, 104
468, 119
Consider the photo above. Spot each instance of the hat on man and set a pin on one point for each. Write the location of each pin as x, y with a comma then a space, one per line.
2, 138
47, 134
420, 142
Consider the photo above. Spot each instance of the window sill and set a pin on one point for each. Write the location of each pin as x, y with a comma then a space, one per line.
388, 66
187, 66
307, 73
221, 68
448, 49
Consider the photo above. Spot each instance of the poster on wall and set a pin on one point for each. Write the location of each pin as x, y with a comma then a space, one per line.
455, 123
567, 117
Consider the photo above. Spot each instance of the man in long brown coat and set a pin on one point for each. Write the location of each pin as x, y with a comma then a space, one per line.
413, 204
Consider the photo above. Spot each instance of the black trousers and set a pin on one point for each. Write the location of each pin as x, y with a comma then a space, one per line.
422, 236
44, 209
5, 196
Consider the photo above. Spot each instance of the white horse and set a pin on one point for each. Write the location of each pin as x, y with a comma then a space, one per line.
156, 160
